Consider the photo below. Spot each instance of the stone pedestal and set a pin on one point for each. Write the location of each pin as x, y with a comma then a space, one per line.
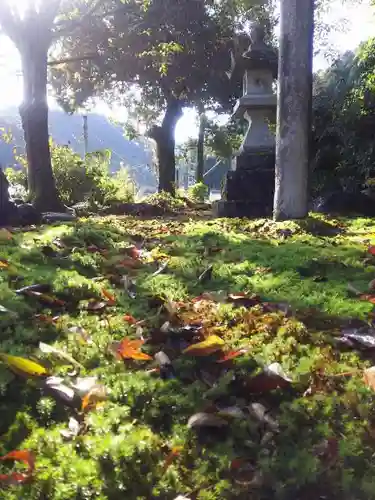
249, 190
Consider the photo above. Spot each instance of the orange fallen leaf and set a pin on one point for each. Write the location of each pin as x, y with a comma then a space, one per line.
23, 456
111, 298
131, 349
96, 396
171, 457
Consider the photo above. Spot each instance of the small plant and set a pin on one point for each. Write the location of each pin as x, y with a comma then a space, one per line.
165, 201
199, 192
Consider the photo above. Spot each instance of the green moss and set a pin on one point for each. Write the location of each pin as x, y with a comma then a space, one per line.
126, 442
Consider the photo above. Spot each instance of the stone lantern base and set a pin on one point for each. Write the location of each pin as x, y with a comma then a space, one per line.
249, 190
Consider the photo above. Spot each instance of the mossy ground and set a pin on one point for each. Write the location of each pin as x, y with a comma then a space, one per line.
127, 441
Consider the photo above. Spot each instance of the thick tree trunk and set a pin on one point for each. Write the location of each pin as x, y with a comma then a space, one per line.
200, 145
294, 109
34, 116
164, 137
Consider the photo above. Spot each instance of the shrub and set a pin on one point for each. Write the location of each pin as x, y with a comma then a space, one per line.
199, 192
79, 180
165, 201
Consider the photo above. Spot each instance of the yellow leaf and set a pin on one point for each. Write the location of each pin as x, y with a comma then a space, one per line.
212, 344
23, 366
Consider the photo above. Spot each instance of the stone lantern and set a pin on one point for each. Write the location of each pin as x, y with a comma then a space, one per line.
249, 188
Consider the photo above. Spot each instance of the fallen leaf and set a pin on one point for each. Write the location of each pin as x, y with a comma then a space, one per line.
47, 349
212, 344
56, 387
24, 456
111, 298
130, 319
97, 395
273, 377
73, 429
130, 349
171, 457
84, 385
368, 298
371, 250
4, 264
81, 332
206, 275
23, 366
206, 420
161, 269
227, 356
45, 318
362, 337
261, 413
41, 287
369, 377
97, 306
49, 300
244, 473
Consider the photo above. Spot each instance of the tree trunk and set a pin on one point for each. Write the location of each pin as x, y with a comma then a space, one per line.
164, 137
200, 145
294, 109
34, 117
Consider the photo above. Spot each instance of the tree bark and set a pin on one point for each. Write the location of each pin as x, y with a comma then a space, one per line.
294, 109
200, 145
164, 136
34, 117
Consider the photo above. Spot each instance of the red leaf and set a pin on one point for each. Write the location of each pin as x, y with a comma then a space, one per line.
368, 298
135, 252
23, 456
227, 356
371, 250
130, 319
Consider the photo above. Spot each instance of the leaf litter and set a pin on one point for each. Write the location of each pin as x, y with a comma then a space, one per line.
196, 330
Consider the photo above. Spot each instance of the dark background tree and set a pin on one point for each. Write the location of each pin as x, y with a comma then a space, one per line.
34, 31
171, 54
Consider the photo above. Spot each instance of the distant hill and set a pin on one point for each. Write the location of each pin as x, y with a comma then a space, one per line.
68, 129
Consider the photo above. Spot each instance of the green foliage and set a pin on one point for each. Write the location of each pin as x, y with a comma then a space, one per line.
199, 192
224, 140
344, 116
165, 201
79, 180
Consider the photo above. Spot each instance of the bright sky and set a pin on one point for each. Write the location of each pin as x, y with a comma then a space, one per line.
360, 27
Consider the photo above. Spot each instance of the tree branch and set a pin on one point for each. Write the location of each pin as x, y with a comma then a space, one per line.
86, 57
